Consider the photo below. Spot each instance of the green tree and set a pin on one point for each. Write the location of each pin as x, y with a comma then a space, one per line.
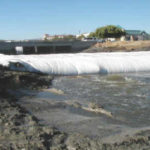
92, 34
81, 37
108, 31
69, 37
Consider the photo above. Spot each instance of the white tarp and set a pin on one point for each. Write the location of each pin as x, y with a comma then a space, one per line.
81, 63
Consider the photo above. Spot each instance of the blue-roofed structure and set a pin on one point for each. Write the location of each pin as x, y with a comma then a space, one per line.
135, 35
135, 32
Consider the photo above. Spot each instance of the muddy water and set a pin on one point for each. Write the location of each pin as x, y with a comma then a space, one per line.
126, 96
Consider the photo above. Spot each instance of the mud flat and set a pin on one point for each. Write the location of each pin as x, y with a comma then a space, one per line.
21, 130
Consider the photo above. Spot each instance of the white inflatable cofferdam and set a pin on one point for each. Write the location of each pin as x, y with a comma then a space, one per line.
77, 64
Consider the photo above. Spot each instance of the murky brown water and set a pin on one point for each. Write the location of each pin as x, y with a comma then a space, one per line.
126, 96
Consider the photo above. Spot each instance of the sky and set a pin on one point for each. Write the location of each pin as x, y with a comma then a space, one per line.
31, 19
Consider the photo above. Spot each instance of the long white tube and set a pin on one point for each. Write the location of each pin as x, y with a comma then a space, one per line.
81, 63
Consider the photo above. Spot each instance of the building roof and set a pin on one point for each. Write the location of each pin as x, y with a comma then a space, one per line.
135, 32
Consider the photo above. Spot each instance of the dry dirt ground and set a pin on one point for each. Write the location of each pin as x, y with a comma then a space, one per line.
120, 46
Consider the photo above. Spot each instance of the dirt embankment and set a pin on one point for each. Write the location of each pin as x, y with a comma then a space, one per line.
126, 46
20, 130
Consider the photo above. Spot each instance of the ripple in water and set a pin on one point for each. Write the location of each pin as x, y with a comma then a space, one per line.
126, 96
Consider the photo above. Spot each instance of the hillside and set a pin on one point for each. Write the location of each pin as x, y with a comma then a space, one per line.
120, 46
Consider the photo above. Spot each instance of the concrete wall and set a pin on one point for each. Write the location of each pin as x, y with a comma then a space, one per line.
81, 45
41, 47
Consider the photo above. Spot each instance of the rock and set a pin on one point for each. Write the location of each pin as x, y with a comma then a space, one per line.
55, 91
35, 80
12, 79
77, 105
74, 104
59, 139
6, 124
93, 105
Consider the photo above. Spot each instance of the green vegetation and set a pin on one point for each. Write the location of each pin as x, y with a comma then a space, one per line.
148, 36
65, 38
92, 34
109, 31
81, 37
69, 37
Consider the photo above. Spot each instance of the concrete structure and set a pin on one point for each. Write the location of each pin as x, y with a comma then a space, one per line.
41, 47
52, 37
134, 35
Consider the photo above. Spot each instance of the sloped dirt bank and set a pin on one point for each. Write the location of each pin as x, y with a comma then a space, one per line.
118, 46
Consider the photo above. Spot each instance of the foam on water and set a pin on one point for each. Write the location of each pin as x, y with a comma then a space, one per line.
81, 63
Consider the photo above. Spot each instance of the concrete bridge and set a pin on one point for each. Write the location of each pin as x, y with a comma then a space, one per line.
43, 47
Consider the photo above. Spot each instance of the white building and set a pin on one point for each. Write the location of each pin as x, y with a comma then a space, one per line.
83, 34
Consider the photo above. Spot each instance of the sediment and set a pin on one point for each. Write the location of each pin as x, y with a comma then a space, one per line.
21, 130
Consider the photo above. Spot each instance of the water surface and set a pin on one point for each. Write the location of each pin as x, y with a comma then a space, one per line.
126, 96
